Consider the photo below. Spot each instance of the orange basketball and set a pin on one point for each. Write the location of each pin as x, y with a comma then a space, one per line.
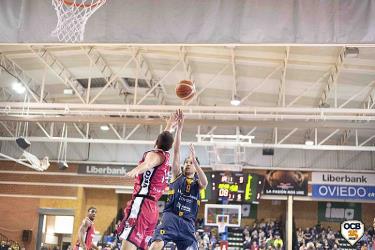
185, 90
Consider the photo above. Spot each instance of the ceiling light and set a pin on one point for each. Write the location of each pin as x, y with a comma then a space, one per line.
104, 127
235, 101
309, 142
351, 52
18, 87
68, 92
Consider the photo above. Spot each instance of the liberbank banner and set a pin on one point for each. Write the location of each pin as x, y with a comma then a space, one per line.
111, 170
343, 186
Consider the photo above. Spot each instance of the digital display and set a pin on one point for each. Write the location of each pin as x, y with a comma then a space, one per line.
236, 187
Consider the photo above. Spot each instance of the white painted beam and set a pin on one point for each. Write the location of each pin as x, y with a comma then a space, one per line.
202, 143
288, 135
332, 79
329, 136
58, 69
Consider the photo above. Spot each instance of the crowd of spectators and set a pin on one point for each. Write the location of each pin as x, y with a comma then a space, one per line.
261, 235
267, 235
9, 245
321, 238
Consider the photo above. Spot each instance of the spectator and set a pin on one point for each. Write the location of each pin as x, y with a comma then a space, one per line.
300, 236
364, 247
278, 241
366, 238
331, 238
254, 246
307, 236
310, 246
270, 241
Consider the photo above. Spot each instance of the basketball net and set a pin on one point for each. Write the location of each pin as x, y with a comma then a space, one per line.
221, 227
72, 16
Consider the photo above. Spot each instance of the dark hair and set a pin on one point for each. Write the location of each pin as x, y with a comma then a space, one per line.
164, 141
88, 210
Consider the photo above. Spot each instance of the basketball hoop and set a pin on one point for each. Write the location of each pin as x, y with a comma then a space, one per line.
72, 16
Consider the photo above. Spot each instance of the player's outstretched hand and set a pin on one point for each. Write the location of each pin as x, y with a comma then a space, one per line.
172, 121
132, 173
180, 119
192, 151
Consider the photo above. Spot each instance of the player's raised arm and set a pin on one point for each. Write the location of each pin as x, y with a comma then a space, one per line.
202, 179
152, 160
176, 169
171, 122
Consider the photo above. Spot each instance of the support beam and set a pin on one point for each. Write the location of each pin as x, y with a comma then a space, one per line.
366, 141
6, 128
275, 135
43, 84
213, 79
202, 143
210, 132
345, 137
370, 85
251, 131
56, 111
115, 131
281, 97
188, 70
132, 132
101, 64
7, 95
289, 222
329, 136
16, 71
369, 101
288, 135
262, 83
145, 70
159, 82
59, 70
43, 129
333, 77
308, 89
16, 160
79, 130
111, 81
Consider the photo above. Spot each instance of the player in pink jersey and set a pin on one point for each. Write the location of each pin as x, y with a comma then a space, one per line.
87, 231
151, 179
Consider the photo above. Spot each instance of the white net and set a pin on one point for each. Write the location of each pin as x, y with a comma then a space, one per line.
72, 16
221, 227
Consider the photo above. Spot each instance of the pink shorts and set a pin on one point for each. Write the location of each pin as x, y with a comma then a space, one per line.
138, 225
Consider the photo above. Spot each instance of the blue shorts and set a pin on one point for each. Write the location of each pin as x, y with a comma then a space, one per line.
175, 229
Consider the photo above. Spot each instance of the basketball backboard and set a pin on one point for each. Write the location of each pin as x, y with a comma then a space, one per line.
215, 214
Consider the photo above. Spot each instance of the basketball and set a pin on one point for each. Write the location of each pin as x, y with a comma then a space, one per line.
185, 90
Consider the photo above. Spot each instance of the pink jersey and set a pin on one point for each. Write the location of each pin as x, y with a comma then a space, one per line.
90, 232
89, 235
152, 183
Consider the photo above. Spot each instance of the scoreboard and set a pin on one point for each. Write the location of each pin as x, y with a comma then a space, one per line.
234, 187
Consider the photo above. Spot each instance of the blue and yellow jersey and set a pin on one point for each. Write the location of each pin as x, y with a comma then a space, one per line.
184, 197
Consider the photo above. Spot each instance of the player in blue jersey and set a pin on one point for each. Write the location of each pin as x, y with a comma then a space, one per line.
181, 209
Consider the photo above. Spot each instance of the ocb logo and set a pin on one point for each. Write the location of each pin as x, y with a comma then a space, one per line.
352, 230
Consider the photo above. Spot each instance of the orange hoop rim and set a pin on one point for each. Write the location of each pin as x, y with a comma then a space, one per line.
82, 5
